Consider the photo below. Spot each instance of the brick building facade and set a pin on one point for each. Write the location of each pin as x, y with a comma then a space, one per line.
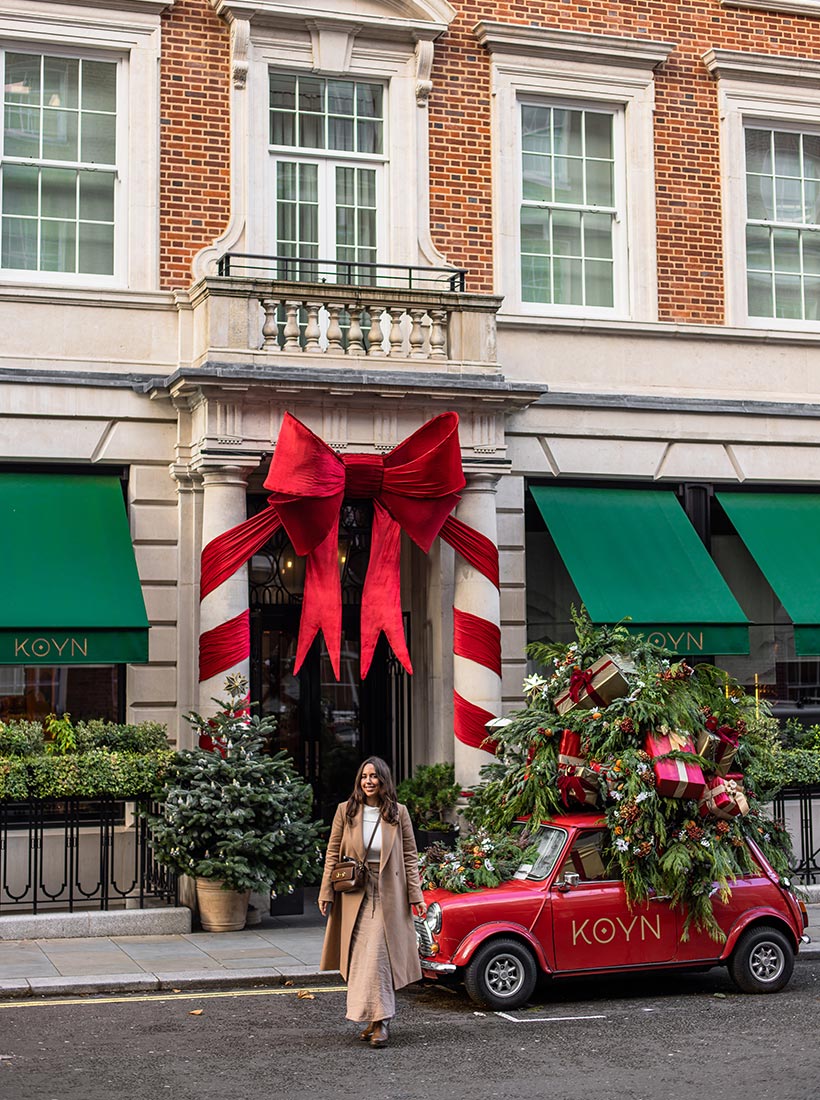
209, 208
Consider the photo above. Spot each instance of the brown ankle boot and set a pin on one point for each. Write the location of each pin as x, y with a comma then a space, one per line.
380, 1034
368, 1031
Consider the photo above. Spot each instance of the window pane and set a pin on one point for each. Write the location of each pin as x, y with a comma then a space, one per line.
20, 190
536, 181
366, 224
60, 134
286, 180
535, 233
282, 129
311, 131
99, 139
568, 180
760, 295
22, 78
97, 196
311, 94
97, 249
285, 226
759, 197
345, 226
59, 193
758, 248
308, 224
99, 86
566, 233
22, 131
811, 251
759, 151
308, 183
599, 283
367, 187
282, 91
340, 133
58, 242
61, 82
788, 200
811, 293
599, 183
340, 97
345, 187
535, 130
598, 235
369, 100
598, 135
811, 189
19, 244
535, 278
786, 249
369, 136
787, 154
811, 156
567, 127
787, 297
568, 286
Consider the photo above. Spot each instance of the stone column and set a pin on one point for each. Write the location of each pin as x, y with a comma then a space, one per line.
478, 596
189, 490
223, 507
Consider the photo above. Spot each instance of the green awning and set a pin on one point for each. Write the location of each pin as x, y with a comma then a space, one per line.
69, 588
782, 533
632, 553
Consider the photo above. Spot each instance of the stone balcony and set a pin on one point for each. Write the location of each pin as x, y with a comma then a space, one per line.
253, 322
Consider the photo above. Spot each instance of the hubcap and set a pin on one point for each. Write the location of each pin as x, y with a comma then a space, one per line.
504, 975
767, 961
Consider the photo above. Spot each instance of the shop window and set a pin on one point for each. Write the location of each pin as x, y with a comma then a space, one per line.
83, 691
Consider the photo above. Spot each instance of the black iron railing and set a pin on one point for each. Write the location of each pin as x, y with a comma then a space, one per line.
67, 854
799, 809
348, 272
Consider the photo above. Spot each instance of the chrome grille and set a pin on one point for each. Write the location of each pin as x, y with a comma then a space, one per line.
424, 937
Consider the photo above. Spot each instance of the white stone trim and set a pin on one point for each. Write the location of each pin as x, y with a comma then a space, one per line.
129, 33
779, 7
418, 16
774, 91
531, 63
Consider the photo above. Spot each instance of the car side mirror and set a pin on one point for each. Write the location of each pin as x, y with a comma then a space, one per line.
567, 881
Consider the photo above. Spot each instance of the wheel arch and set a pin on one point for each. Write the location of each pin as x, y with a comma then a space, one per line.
500, 930
755, 919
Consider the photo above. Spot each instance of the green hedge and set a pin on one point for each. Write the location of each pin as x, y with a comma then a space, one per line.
22, 738
94, 774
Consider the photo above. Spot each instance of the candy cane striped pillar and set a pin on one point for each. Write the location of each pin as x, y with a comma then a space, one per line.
223, 507
476, 630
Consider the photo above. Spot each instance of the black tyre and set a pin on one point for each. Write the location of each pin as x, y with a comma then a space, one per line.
501, 975
762, 961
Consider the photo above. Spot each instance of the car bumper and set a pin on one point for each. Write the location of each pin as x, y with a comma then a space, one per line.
437, 967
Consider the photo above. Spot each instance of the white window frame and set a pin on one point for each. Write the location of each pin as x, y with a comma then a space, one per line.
566, 68
772, 92
327, 160
128, 32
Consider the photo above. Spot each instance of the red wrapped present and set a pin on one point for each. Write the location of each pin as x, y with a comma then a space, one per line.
578, 784
724, 798
675, 778
569, 751
719, 742
597, 685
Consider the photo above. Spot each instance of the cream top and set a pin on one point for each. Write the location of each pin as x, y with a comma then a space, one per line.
372, 814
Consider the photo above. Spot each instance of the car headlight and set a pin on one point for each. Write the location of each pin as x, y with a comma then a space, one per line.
433, 918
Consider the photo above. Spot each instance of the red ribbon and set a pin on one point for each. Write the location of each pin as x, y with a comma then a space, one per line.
571, 785
580, 683
414, 488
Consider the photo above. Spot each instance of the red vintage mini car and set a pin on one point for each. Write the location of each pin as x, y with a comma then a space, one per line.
564, 915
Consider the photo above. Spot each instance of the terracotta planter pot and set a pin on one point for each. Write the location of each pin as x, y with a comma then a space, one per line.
221, 910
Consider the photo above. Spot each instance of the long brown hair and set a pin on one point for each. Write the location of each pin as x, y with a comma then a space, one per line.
388, 803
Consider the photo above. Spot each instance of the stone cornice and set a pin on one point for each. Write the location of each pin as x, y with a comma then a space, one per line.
762, 68
550, 44
424, 19
151, 7
778, 7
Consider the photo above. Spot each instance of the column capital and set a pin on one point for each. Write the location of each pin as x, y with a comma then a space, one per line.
481, 479
213, 470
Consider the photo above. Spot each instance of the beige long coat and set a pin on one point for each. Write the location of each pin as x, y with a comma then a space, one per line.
399, 887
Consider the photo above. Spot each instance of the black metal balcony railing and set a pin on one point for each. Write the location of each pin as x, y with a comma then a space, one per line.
67, 854
805, 799
303, 269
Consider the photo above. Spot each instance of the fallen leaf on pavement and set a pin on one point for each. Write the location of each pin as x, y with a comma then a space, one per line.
288, 983
305, 995
196, 1012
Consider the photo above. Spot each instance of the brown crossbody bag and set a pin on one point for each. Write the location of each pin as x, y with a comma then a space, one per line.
351, 874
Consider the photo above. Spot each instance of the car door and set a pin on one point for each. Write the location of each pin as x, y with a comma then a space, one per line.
593, 927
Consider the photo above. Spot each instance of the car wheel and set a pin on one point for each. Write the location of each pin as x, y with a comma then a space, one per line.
762, 961
501, 975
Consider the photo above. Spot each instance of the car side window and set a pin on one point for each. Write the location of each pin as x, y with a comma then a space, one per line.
588, 858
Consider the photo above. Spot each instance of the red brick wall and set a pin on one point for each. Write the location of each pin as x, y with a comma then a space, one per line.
687, 172
194, 137
195, 150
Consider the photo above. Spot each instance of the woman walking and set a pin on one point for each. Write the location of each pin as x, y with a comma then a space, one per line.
370, 936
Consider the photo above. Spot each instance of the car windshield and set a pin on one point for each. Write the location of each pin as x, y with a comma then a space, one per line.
550, 841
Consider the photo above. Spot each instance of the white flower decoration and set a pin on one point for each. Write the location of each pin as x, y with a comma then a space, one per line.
621, 844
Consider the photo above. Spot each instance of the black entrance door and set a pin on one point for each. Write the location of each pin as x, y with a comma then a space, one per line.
327, 726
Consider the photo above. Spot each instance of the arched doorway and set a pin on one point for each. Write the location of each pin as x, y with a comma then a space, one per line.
326, 725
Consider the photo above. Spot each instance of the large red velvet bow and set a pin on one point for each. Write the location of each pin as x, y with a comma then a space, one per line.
580, 684
414, 488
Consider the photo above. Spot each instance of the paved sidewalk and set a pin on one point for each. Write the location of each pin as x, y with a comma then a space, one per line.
279, 950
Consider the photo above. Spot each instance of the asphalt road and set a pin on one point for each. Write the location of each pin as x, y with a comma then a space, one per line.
662, 1037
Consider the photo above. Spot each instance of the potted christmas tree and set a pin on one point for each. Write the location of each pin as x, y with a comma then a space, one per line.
234, 817
429, 795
